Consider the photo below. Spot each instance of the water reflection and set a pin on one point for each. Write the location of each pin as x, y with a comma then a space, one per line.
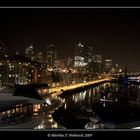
65, 106
79, 97
110, 101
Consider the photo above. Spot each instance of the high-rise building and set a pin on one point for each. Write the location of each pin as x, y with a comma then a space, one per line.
3, 64
96, 64
19, 70
79, 55
51, 55
39, 72
69, 62
3, 70
108, 65
3, 50
97, 58
30, 52
79, 50
89, 54
39, 57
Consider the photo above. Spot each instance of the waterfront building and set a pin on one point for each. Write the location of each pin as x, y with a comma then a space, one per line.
23, 104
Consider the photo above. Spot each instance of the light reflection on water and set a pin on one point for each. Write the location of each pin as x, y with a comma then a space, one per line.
84, 103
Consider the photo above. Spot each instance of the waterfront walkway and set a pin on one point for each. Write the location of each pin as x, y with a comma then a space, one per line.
58, 90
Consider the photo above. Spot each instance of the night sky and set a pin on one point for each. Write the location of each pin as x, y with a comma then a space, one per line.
114, 33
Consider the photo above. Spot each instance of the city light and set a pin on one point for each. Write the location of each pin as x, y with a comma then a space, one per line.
74, 58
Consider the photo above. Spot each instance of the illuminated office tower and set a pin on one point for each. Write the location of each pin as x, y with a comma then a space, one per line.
3, 50
51, 55
108, 65
79, 55
39, 57
97, 63
30, 52
97, 58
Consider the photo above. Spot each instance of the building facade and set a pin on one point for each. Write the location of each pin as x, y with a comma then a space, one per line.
108, 65
51, 55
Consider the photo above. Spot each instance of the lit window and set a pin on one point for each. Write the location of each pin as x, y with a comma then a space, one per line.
8, 112
3, 113
19, 63
0, 75
39, 91
36, 107
13, 111
9, 75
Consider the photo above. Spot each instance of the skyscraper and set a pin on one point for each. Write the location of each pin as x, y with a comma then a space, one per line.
29, 52
3, 50
51, 55
79, 55
108, 65
79, 49
89, 54
97, 58
39, 57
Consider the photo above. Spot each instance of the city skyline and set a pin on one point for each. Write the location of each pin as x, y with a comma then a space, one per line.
114, 33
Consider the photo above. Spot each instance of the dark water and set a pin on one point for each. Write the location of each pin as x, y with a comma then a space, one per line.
79, 106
